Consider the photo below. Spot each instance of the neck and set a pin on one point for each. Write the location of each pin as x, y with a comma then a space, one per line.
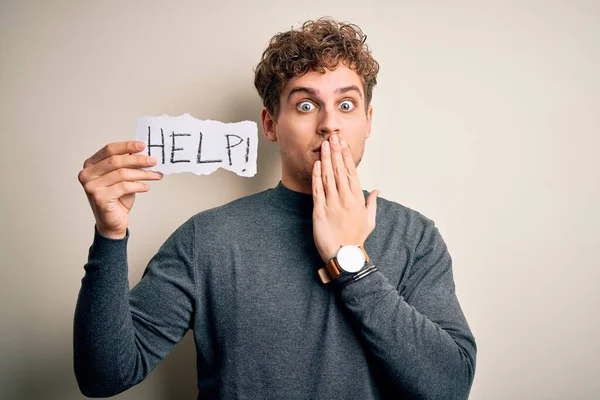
301, 187
293, 201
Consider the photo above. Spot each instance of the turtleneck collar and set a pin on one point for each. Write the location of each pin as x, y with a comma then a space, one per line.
292, 201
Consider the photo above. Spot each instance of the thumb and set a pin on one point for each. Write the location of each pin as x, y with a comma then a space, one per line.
372, 206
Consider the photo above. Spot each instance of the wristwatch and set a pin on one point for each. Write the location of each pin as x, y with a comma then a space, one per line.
349, 259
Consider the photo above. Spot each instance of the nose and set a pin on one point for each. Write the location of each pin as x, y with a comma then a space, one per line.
328, 123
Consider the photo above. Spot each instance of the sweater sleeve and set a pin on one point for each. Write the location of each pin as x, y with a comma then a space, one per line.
417, 333
119, 335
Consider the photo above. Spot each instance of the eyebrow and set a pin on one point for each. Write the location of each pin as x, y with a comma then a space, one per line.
301, 89
313, 92
348, 89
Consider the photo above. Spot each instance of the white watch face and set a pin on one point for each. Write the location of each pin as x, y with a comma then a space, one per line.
351, 258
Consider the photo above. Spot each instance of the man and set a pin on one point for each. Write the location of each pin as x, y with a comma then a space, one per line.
313, 289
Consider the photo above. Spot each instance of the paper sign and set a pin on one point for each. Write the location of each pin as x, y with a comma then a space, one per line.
188, 144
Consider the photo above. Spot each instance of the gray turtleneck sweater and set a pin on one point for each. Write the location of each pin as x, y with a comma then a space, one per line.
243, 277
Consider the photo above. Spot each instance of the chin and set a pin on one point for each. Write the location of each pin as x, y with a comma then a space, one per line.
304, 177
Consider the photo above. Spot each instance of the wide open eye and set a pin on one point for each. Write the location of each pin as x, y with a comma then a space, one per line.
347, 105
305, 106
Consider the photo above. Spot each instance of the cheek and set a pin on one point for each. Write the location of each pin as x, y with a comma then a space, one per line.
357, 153
355, 132
287, 139
355, 124
356, 140
297, 132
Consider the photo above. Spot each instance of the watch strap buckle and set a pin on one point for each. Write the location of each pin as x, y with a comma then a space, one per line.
324, 275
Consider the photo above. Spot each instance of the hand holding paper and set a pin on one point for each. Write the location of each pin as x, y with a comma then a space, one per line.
110, 179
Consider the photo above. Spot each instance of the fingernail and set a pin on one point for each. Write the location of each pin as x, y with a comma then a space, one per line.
158, 174
140, 145
344, 144
326, 145
152, 160
334, 139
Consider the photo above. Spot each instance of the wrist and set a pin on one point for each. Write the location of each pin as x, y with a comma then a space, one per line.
349, 260
330, 254
349, 279
111, 234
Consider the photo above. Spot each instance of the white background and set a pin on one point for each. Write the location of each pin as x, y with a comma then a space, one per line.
486, 120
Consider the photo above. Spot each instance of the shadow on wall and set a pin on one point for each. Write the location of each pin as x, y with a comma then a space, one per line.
45, 378
51, 377
178, 371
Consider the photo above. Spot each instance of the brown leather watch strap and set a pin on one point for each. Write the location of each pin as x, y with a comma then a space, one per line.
332, 269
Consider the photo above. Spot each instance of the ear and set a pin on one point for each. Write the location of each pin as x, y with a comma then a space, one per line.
269, 125
369, 119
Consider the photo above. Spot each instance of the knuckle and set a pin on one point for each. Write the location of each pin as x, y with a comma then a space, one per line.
113, 160
122, 173
88, 188
87, 185
123, 185
81, 176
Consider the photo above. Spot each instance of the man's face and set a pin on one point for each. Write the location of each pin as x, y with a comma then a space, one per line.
312, 108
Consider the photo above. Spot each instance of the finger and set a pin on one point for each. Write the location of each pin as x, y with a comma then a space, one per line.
372, 208
112, 149
339, 167
351, 171
113, 163
317, 186
122, 188
121, 175
327, 173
